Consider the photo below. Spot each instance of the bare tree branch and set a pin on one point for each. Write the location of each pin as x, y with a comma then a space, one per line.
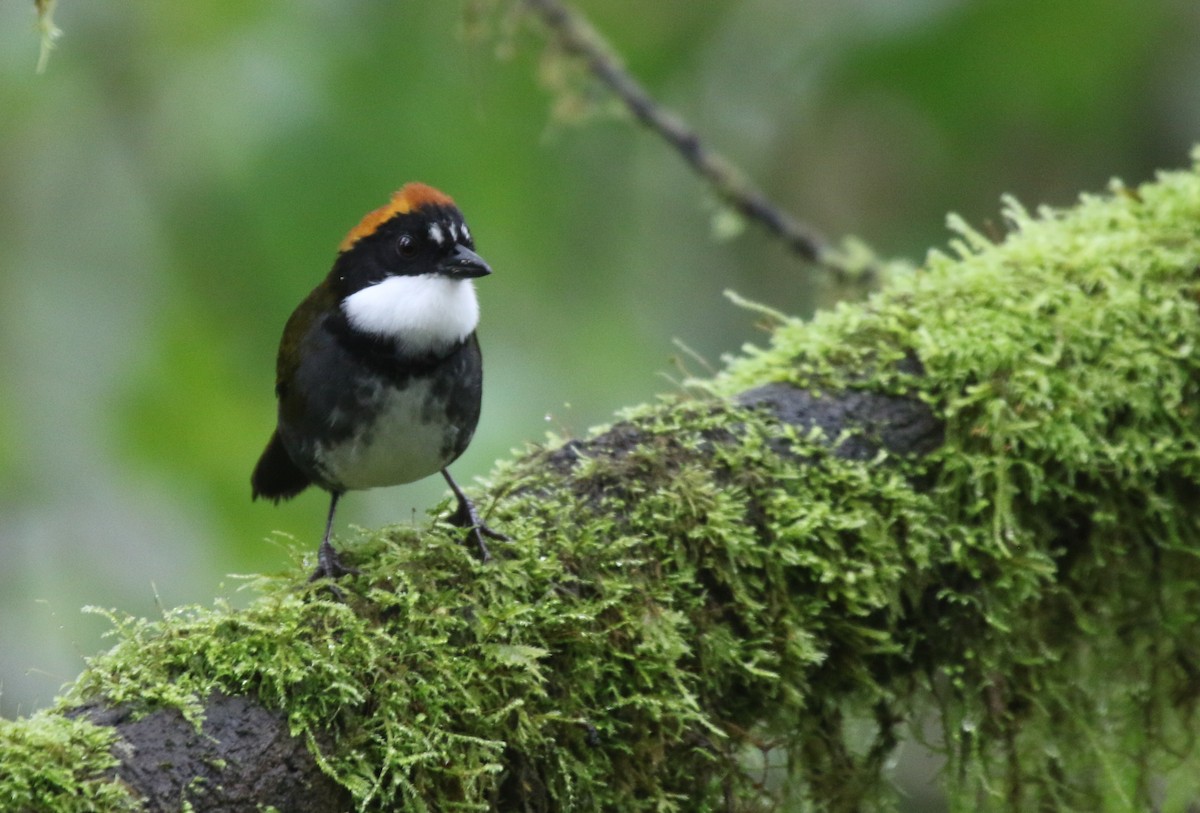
577, 37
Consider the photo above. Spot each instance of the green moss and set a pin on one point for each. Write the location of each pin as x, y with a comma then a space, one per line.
1065, 539
707, 606
51, 764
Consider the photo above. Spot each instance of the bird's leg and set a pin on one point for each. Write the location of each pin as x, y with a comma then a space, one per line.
329, 564
465, 516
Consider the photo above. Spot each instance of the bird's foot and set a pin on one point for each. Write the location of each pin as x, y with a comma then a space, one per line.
465, 516
329, 564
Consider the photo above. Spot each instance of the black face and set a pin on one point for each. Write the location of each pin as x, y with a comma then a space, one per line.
429, 240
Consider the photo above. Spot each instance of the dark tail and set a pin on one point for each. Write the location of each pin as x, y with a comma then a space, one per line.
277, 477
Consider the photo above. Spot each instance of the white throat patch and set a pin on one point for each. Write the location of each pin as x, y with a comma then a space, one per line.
428, 312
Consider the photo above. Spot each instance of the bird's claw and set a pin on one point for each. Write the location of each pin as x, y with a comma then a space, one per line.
329, 564
465, 516
476, 531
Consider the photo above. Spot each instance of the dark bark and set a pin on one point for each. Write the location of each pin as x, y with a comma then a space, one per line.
242, 760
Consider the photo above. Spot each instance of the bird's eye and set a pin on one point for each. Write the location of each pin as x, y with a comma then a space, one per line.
406, 246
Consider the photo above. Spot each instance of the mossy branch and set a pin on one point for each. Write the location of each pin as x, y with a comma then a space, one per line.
970, 500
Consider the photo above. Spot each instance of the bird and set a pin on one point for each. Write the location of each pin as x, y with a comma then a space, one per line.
379, 373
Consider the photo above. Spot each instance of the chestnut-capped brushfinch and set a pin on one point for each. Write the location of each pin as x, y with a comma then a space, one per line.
379, 375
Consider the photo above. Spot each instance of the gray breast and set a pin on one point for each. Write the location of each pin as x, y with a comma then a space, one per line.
402, 435
366, 416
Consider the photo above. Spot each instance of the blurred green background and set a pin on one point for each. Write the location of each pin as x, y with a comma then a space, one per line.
179, 178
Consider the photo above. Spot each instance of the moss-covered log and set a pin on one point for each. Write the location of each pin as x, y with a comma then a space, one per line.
971, 503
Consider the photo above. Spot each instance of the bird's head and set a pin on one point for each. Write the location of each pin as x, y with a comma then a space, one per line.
404, 272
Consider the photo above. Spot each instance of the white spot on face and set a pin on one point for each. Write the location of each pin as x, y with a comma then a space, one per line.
424, 313
466, 234
436, 235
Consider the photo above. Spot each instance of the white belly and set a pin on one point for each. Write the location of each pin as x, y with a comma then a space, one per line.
408, 440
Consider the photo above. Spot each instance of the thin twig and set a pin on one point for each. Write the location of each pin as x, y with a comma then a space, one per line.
577, 37
47, 30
